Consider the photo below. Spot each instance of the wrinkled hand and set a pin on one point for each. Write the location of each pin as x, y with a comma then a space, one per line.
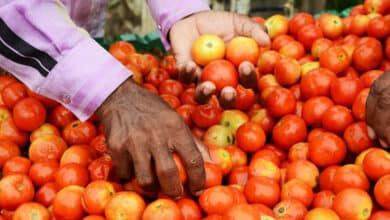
226, 25
142, 132
378, 109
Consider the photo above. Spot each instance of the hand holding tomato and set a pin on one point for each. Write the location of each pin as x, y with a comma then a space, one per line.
142, 133
378, 108
226, 26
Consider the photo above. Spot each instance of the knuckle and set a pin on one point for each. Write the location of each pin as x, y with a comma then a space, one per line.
145, 181
168, 171
196, 161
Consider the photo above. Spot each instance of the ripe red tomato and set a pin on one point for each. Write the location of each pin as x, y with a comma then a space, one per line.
222, 73
280, 102
376, 163
239, 175
337, 118
352, 203
319, 46
213, 175
327, 149
382, 191
156, 76
299, 190
189, 209
96, 196
16, 165
43, 172
314, 109
323, 199
238, 156
289, 130
250, 137
298, 21
287, 71
280, 41
79, 154
262, 190
335, 59
356, 137
359, 105
327, 177
67, 203
12, 93
47, 148
293, 49
267, 61
308, 34
188, 97
350, 176
331, 25
172, 87
264, 119
206, 115
171, 100
121, 51
378, 27
46, 193
217, 200
245, 98
290, 208
99, 169
15, 189
367, 56
168, 63
303, 170
60, 116
185, 111
317, 83
31, 210
126, 204
8, 149
299, 151
78, 132
71, 174
345, 89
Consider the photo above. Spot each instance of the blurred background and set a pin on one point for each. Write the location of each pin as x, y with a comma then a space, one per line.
132, 16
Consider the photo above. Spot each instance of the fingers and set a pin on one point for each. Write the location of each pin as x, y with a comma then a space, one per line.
167, 172
144, 170
227, 97
245, 26
121, 161
247, 75
204, 151
192, 160
381, 116
189, 71
204, 91
376, 91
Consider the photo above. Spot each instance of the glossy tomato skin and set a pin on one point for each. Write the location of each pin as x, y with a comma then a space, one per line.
250, 137
67, 203
367, 56
382, 191
46, 193
352, 203
78, 132
350, 176
327, 149
222, 73
337, 118
15, 189
376, 163
206, 115
31, 210
314, 109
345, 89
290, 208
189, 209
60, 116
29, 114
262, 190
280, 102
335, 58
172, 87
298, 21
217, 200
323, 199
317, 83
121, 50
290, 130
356, 137
245, 98
8, 149
308, 34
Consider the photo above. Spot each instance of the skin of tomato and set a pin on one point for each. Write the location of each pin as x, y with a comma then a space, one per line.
262, 190
359, 105
46, 193
78, 132
314, 109
287, 70
345, 89
128, 204
189, 209
299, 151
8, 149
168, 63
60, 117
352, 203
242, 211
335, 58
172, 100
267, 61
213, 175
47, 148
298, 21
367, 78
15, 189
250, 137
289, 130
356, 137
31, 210
79, 154
16, 165
299, 190
280, 102
5, 80
164, 209
337, 118
71, 174
29, 114
245, 98
326, 177
156, 76
185, 111
376, 164
350, 176
241, 49
308, 34
172, 87
150, 88
120, 50
222, 73
266, 154
380, 215
280, 41
317, 83
96, 196
293, 49
290, 208
238, 156
264, 119
217, 200
67, 203
188, 97
12, 93
367, 56
323, 199
100, 168
43, 172
264, 168
239, 175
327, 149
319, 46
206, 115
303, 170
382, 191
94, 217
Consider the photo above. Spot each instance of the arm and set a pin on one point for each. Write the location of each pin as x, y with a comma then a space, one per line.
43, 48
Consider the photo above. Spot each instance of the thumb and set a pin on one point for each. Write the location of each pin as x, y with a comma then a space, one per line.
245, 26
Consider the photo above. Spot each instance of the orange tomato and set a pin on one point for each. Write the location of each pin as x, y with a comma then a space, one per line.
321, 214
241, 49
352, 203
96, 196
47, 148
382, 191
207, 48
262, 190
31, 210
15, 189
129, 205
121, 51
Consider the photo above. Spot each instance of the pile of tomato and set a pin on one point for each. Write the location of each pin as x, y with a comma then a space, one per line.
295, 146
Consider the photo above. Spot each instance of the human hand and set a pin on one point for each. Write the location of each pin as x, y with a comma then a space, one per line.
227, 26
142, 132
378, 109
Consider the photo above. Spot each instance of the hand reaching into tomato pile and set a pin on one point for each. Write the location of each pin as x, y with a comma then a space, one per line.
226, 26
378, 109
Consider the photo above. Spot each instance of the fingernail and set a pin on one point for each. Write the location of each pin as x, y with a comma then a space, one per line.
383, 143
197, 193
371, 133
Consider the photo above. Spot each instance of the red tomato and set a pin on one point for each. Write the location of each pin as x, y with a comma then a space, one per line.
8, 149
350, 176
327, 177
267, 61
250, 137
378, 27
327, 149
287, 71
376, 163
345, 89
78, 132
67, 203
335, 59
171, 100
239, 175
367, 56
15, 189
188, 97
293, 49
121, 51
359, 105
245, 98
206, 115
382, 191
168, 63
217, 200
185, 111
16, 165
43, 172
12, 93
280, 41
46, 193
308, 34
317, 83
262, 190
172, 87
280, 102
71, 174
60, 117
356, 137
222, 73
298, 21
314, 109
299, 190
189, 209
337, 118
289, 130
319, 46
290, 208
156, 76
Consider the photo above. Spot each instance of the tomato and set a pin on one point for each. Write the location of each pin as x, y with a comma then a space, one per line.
317, 83
323, 199
352, 203
94, 217
369, 77
376, 164
331, 25
250, 137
185, 111
31, 210
382, 191
188, 97
99, 169
12, 93
280, 41
217, 200
44, 130
17, 164
303, 170
99, 144
359, 24
172, 87
239, 175
327, 177
150, 88
61, 116
276, 25
168, 63
308, 34
291, 208
222, 73
206, 115
43, 172
380, 7
46, 193
266, 154
335, 59
5, 80
47, 148
245, 98
345, 89
264, 119
156, 76
280, 102
241, 49
298, 21
189, 209
264, 168
242, 211
337, 118
356, 137
96, 196
367, 56
262, 190
359, 105
8, 149
287, 71
67, 203
267, 61
378, 27
299, 190
171, 100
314, 109
207, 48
319, 46
350, 176
293, 49
380, 215
213, 175
321, 214
15, 189
121, 51
71, 174
298, 151
78, 132
289, 130
327, 149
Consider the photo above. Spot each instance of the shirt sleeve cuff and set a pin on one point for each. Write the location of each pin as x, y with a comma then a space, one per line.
166, 17
83, 78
